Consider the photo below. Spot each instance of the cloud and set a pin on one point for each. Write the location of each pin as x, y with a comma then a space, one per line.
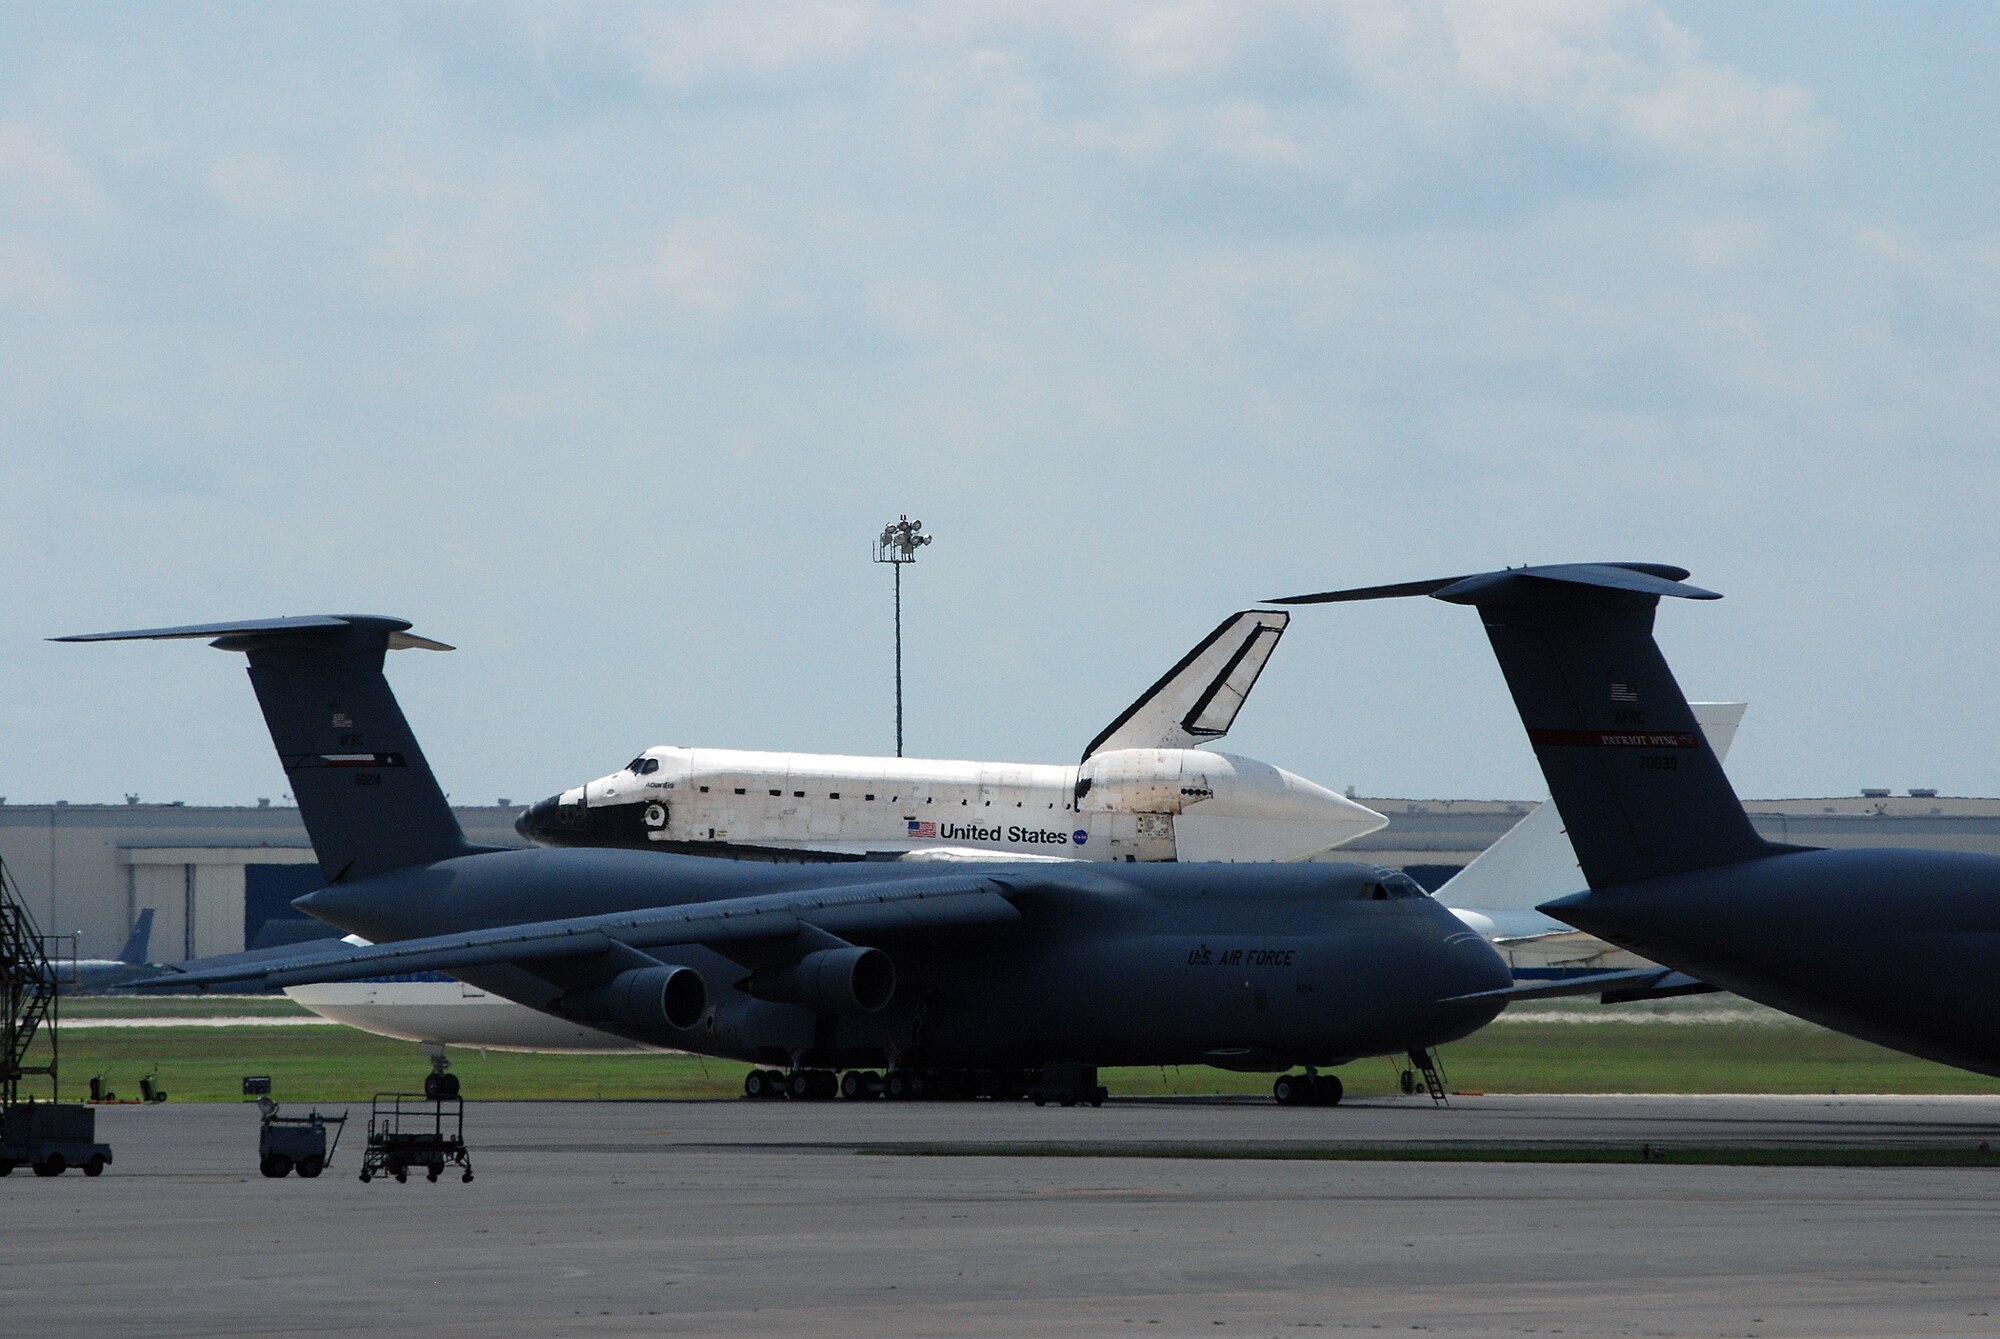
1140, 304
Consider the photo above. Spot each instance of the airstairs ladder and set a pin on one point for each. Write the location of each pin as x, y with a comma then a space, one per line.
1426, 1063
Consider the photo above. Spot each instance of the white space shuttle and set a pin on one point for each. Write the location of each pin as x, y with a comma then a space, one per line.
1142, 791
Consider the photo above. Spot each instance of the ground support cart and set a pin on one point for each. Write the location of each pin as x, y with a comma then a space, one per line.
295, 1143
408, 1130
51, 1137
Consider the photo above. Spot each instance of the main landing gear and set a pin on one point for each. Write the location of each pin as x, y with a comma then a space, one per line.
1067, 1085
804, 1085
1307, 1090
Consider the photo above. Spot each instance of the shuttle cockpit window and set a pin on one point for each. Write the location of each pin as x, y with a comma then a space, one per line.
643, 766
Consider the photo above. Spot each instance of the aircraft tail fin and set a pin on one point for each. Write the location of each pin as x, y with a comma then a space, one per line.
1197, 700
1638, 787
367, 796
1534, 862
139, 942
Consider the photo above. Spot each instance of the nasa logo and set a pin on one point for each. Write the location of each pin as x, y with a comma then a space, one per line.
1079, 836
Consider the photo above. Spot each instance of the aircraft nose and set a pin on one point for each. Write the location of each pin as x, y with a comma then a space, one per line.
538, 820
1464, 965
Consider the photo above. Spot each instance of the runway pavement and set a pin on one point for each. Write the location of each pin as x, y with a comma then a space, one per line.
765, 1218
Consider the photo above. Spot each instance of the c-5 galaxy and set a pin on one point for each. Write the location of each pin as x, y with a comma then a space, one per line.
1004, 979
1897, 947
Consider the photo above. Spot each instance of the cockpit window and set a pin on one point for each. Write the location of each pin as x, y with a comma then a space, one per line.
1391, 883
643, 766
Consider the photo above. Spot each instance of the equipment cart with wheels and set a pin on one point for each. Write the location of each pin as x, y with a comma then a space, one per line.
51, 1137
295, 1143
408, 1130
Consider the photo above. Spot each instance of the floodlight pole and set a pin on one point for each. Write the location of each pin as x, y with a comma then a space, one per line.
897, 546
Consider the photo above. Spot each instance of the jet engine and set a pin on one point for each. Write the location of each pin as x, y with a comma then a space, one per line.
829, 981
644, 999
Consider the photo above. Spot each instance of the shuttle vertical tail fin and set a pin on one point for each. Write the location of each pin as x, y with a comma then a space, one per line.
1638, 787
1197, 700
367, 796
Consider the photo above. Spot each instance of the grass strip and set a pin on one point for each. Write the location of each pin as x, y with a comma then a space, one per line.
1691, 1155
340, 1064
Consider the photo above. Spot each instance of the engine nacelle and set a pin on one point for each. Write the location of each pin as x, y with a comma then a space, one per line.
644, 999
830, 981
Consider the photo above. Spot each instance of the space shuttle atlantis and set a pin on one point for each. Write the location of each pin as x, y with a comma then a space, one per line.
1142, 792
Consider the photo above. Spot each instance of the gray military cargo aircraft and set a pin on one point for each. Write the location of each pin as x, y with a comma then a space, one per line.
1897, 947
1006, 979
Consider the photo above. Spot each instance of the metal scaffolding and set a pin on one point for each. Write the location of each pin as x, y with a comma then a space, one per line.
29, 981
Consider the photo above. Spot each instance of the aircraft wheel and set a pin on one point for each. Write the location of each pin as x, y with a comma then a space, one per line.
433, 1087
757, 1083
309, 1167
1098, 1095
854, 1085
1407, 1081
450, 1086
1290, 1090
897, 1086
800, 1085
95, 1167
52, 1165
1328, 1091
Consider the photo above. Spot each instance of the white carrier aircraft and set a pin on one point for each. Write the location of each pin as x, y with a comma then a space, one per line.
1141, 793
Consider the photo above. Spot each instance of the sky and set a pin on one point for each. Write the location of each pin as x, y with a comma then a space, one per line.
600, 340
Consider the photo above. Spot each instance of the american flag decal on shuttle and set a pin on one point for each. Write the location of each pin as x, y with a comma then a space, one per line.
1621, 692
922, 829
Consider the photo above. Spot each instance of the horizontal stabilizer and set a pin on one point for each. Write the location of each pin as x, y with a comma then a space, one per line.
1518, 583
1197, 700
399, 637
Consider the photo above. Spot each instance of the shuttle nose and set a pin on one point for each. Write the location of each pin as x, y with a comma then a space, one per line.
545, 821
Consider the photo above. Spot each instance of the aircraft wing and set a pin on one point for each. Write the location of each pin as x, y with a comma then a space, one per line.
909, 904
1197, 700
1623, 986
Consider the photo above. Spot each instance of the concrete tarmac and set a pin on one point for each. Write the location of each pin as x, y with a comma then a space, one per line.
770, 1218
